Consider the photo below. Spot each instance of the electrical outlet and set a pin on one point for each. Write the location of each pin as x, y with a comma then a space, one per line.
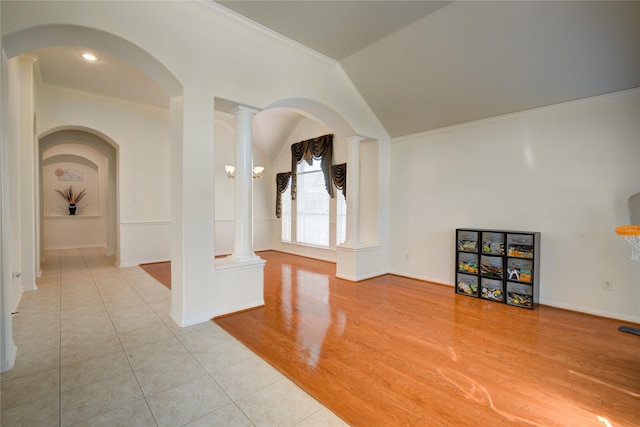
607, 284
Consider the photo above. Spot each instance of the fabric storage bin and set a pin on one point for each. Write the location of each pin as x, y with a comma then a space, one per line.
492, 243
520, 245
467, 284
519, 270
467, 241
468, 263
492, 289
520, 295
491, 266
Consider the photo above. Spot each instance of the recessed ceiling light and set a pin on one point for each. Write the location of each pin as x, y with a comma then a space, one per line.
89, 57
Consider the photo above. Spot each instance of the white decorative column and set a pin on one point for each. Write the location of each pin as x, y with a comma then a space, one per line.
240, 277
356, 260
243, 241
353, 190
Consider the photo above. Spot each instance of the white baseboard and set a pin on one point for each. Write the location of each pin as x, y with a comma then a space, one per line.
588, 310
143, 261
61, 248
550, 303
423, 278
361, 278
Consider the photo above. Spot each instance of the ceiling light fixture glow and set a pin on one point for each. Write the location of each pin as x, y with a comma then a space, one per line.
87, 56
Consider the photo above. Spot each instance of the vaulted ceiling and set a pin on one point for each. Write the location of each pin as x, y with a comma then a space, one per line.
422, 65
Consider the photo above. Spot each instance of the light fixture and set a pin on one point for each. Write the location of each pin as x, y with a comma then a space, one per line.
257, 172
231, 171
88, 56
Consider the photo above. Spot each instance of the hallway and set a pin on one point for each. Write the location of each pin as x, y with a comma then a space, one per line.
96, 347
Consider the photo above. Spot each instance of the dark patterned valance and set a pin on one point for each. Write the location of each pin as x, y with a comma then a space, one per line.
282, 182
320, 148
340, 177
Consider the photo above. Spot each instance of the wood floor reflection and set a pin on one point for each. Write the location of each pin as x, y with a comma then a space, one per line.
394, 351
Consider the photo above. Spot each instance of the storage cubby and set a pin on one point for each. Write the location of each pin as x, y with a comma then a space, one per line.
520, 245
467, 241
493, 243
519, 295
519, 270
498, 265
468, 263
467, 284
492, 266
492, 289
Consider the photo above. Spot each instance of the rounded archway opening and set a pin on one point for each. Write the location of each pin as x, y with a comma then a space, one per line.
82, 161
318, 112
56, 37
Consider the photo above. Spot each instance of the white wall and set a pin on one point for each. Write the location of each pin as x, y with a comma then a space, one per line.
142, 136
565, 170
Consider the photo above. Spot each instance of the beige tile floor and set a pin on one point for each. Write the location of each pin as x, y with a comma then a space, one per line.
96, 347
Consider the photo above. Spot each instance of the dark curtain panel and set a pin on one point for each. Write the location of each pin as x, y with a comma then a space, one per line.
282, 182
320, 148
340, 178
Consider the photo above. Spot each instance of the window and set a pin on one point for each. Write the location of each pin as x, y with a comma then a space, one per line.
313, 217
312, 205
341, 218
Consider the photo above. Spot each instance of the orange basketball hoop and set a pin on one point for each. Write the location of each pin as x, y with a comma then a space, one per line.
631, 234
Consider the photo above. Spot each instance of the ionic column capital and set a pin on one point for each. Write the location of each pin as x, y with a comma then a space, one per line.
243, 109
354, 139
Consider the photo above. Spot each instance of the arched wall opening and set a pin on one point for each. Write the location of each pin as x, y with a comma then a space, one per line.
85, 161
318, 112
73, 35
321, 119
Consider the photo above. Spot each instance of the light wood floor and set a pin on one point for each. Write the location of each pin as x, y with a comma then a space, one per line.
395, 351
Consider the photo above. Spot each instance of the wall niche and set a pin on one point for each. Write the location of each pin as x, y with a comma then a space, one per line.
84, 168
61, 171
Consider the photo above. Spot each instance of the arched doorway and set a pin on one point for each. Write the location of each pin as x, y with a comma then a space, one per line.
24, 41
94, 158
53, 36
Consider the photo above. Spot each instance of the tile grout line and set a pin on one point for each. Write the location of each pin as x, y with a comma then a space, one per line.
86, 265
183, 346
60, 338
144, 396
120, 341
207, 373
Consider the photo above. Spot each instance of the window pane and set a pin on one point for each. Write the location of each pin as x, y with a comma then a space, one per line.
303, 166
285, 214
312, 206
341, 218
